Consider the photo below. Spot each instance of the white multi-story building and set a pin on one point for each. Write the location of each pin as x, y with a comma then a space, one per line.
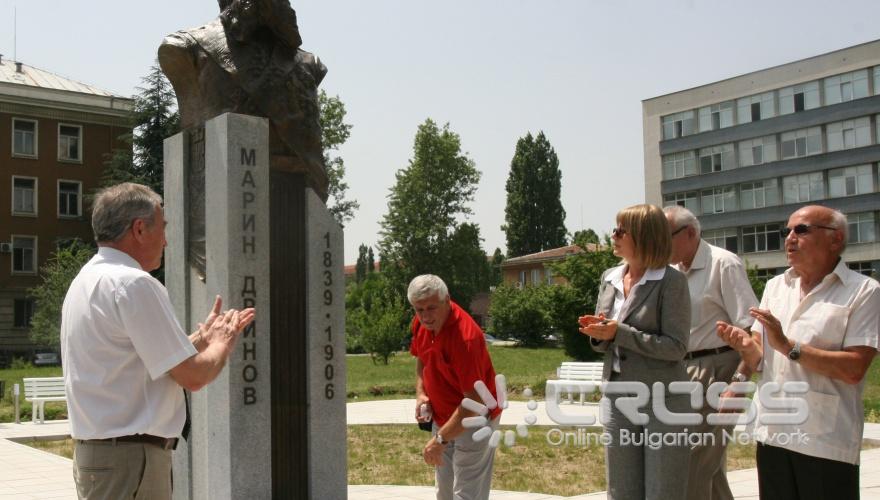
746, 152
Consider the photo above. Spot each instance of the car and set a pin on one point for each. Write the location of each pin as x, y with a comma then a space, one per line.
47, 358
490, 339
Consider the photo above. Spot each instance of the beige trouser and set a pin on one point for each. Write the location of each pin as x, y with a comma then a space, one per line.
466, 473
107, 471
707, 474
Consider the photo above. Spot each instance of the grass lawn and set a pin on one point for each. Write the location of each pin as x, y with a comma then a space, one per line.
14, 376
522, 367
392, 454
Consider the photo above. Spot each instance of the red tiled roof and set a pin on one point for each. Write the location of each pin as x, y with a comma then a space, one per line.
549, 255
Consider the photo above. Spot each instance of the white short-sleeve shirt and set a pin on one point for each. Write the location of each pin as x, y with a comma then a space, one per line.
842, 311
720, 291
119, 339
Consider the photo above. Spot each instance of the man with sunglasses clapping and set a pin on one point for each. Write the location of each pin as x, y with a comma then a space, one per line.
817, 323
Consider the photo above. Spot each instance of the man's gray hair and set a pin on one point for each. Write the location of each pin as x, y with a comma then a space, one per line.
683, 217
117, 207
426, 286
839, 221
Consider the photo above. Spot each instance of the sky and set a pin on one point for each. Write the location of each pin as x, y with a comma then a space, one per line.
494, 70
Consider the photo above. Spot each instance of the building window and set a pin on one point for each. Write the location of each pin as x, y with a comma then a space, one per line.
716, 159
24, 137
765, 274
522, 278
846, 87
23, 312
24, 196
679, 165
69, 141
804, 187
850, 181
761, 238
24, 254
759, 194
723, 238
716, 116
536, 277
802, 142
864, 267
69, 198
548, 275
687, 200
849, 134
798, 98
862, 228
756, 107
757, 151
876, 80
719, 200
678, 125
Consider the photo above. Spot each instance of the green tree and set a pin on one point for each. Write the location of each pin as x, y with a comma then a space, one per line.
371, 261
534, 217
583, 271
421, 232
360, 267
55, 275
334, 133
154, 119
585, 237
520, 314
377, 319
496, 276
758, 283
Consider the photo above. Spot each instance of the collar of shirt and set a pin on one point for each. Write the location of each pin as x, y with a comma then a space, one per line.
118, 257
615, 277
843, 273
701, 258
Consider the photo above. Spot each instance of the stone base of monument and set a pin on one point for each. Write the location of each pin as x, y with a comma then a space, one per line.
273, 423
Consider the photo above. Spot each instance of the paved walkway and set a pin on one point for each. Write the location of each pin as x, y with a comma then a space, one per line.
27, 473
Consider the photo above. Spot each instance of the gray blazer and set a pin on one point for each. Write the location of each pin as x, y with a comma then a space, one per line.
652, 331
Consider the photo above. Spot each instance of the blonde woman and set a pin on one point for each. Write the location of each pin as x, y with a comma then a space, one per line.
641, 324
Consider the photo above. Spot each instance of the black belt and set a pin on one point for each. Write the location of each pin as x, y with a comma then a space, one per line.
707, 352
164, 443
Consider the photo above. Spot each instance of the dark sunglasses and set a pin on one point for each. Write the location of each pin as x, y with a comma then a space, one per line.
618, 232
802, 229
682, 228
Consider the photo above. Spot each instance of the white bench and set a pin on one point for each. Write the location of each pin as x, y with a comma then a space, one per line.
40, 390
581, 372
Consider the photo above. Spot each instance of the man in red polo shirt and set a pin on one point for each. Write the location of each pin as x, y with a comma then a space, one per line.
452, 355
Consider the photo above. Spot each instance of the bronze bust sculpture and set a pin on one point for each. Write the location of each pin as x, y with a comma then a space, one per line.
248, 61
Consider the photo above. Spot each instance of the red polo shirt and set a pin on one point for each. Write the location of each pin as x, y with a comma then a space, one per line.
453, 360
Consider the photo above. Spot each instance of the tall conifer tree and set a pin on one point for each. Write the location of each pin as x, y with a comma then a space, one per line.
534, 217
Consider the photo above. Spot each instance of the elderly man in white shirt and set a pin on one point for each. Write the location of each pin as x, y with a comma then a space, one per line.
126, 357
817, 323
719, 291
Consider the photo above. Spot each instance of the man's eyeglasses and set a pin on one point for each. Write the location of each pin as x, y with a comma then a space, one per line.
682, 228
618, 232
802, 229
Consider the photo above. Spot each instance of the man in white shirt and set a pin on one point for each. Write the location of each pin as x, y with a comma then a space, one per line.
720, 291
817, 323
127, 359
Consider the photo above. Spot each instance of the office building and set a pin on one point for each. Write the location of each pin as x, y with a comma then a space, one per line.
745, 152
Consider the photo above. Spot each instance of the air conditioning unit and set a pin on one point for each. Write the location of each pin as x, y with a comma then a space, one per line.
5, 247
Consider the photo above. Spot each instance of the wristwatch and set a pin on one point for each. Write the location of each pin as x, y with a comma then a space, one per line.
440, 439
795, 353
739, 377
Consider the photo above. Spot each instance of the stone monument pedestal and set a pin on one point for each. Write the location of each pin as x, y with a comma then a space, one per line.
273, 423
